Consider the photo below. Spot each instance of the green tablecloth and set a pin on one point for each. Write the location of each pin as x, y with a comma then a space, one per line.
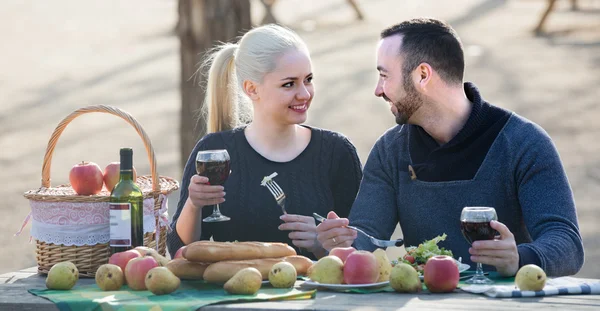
190, 296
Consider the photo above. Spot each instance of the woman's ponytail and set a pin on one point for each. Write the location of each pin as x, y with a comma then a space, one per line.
220, 100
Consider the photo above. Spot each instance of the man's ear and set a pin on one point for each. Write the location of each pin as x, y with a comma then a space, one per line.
251, 89
423, 75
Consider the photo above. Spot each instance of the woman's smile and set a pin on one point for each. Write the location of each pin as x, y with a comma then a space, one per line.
299, 108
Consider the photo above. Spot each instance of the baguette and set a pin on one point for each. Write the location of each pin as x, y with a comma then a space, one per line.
187, 270
221, 272
208, 251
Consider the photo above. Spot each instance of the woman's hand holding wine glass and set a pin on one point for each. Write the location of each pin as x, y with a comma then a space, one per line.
201, 193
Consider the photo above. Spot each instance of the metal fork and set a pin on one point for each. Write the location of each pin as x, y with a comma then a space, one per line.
275, 190
377, 242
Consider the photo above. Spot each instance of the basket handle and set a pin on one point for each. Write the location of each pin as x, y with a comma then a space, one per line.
104, 109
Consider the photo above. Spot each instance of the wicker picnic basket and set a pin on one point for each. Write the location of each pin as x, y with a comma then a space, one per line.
92, 211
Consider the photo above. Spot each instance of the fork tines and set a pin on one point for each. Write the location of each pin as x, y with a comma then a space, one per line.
274, 188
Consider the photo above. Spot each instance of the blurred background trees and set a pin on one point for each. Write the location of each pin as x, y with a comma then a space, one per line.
201, 24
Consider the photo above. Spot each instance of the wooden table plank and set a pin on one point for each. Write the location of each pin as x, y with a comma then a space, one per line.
14, 296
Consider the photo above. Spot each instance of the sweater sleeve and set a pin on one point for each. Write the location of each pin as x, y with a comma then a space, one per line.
173, 240
548, 209
374, 209
346, 177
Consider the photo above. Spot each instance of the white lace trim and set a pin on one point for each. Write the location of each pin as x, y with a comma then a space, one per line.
80, 234
92, 234
70, 234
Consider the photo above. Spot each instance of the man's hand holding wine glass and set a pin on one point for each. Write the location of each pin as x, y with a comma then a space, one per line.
501, 252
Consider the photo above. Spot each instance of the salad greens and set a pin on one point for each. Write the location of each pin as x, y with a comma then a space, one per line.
417, 256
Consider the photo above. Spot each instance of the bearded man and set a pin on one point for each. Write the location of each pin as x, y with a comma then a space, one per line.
452, 149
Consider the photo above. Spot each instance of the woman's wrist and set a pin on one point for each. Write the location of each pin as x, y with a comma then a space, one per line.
187, 225
191, 206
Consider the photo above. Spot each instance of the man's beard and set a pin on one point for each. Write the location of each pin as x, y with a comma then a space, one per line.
408, 105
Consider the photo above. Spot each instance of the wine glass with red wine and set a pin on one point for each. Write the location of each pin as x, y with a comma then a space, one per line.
214, 164
475, 226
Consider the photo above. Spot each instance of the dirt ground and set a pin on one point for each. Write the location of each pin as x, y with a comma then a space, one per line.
62, 55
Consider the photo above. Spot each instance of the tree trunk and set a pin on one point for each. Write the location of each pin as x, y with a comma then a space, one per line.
201, 25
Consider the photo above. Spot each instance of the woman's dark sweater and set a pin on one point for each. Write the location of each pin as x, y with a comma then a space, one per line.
324, 177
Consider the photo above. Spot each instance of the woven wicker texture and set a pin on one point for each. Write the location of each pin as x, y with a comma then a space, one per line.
88, 258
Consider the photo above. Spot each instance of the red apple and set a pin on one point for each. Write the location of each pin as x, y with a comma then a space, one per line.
179, 252
136, 269
86, 178
122, 258
342, 252
361, 267
112, 173
441, 274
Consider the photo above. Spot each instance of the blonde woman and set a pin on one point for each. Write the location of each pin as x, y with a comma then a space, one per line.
258, 93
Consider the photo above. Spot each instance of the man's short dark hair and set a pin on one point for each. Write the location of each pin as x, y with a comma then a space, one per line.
430, 41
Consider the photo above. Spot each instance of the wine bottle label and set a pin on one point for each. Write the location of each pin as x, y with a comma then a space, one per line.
120, 224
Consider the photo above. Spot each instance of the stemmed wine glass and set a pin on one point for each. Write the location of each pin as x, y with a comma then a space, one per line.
214, 164
475, 226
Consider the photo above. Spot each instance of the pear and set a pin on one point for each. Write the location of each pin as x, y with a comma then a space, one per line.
62, 275
530, 277
109, 277
245, 282
405, 279
385, 267
328, 270
161, 281
282, 275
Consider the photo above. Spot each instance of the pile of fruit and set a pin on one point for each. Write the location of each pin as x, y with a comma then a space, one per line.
350, 266
141, 268
144, 269
346, 265
87, 178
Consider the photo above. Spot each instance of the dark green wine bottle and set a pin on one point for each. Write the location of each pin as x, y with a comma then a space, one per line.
126, 208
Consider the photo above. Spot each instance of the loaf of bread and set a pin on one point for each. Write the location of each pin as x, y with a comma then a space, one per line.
208, 251
187, 270
221, 272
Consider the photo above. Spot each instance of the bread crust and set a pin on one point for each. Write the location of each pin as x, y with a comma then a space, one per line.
187, 270
209, 251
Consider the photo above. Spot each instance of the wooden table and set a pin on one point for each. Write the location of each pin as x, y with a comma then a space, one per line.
14, 296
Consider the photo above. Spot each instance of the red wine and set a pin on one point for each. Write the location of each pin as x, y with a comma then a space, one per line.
216, 171
476, 231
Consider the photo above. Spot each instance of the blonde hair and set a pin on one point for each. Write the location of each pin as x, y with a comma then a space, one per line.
226, 105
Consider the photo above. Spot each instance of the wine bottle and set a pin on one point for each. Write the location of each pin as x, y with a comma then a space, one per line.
126, 208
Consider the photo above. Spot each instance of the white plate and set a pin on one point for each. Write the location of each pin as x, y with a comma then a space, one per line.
345, 286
